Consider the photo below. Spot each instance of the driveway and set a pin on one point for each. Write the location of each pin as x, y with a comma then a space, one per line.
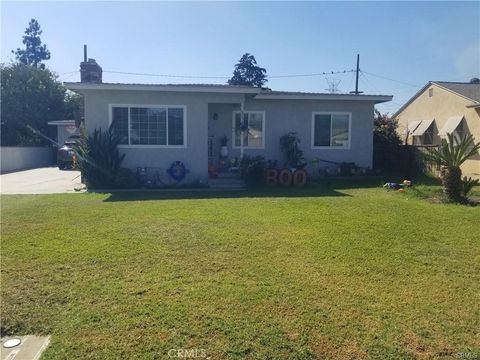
48, 180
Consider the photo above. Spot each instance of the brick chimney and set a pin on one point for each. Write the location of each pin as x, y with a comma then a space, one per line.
90, 71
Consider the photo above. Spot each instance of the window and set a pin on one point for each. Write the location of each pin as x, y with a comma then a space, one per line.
430, 92
331, 130
152, 125
253, 135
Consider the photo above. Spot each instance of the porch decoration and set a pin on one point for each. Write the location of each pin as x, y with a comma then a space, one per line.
223, 146
286, 177
177, 171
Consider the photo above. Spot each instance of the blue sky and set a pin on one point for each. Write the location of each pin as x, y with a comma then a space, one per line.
410, 42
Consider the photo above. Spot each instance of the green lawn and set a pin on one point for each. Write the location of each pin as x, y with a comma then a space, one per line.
330, 273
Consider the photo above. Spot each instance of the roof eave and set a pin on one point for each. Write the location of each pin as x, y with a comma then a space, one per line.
375, 98
81, 87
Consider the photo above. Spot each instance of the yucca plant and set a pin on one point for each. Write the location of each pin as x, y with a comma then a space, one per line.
450, 155
98, 158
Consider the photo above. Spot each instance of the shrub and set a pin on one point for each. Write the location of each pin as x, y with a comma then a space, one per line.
289, 144
468, 184
253, 170
451, 155
99, 160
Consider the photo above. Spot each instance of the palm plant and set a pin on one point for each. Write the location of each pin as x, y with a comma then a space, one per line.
451, 154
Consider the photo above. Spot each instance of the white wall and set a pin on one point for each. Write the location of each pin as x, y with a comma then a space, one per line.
19, 158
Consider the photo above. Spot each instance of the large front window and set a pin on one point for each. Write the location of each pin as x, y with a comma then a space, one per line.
331, 130
253, 126
152, 125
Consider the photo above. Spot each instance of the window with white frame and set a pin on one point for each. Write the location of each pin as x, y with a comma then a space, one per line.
331, 130
253, 126
152, 125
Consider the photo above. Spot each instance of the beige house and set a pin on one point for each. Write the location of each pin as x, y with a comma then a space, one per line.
439, 108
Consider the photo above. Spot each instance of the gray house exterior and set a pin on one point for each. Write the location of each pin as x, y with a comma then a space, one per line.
162, 124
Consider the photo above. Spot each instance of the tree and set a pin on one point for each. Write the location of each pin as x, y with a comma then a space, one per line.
386, 142
248, 73
451, 155
30, 97
35, 52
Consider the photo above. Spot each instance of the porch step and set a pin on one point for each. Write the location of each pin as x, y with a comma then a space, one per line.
226, 183
228, 175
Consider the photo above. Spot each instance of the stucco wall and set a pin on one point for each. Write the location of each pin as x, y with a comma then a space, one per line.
283, 116
20, 158
441, 106
194, 155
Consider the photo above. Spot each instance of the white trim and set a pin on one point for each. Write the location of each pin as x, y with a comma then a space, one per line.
234, 112
376, 98
348, 147
126, 146
75, 86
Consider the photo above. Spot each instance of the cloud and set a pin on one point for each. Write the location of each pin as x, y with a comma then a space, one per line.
467, 61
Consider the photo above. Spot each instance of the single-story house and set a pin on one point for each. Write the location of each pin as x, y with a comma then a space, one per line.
442, 107
164, 123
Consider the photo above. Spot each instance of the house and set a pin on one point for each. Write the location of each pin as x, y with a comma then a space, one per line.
439, 108
162, 124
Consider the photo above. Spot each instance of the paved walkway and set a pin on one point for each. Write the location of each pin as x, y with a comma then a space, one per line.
30, 348
48, 180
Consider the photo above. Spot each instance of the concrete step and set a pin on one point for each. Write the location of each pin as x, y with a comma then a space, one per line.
226, 183
228, 175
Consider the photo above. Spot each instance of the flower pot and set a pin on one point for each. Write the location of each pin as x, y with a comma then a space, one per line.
224, 151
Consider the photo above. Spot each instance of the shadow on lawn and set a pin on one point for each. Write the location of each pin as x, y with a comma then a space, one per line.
309, 191
323, 188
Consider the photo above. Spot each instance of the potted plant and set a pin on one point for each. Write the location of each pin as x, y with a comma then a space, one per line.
223, 146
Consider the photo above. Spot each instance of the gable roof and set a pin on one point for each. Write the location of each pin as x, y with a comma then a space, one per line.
470, 91
258, 93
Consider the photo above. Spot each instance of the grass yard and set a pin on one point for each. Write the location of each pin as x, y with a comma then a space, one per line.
329, 273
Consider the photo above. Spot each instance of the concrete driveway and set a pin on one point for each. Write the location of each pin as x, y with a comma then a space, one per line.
48, 180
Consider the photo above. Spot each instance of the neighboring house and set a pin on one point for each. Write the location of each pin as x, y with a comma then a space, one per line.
65, 129
161, 124
439, 108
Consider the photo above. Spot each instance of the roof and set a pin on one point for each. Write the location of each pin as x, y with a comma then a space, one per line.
299, 95
79, 86
62, 122
470, 91
259, 93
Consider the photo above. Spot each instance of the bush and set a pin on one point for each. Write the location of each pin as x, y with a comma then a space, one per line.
99, 160
468, 184
253, 170
289, 143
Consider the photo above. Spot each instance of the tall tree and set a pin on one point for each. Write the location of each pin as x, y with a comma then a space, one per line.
30, 97
35, 52
248, 73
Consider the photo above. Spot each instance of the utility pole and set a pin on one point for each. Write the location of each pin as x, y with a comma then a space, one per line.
357, 72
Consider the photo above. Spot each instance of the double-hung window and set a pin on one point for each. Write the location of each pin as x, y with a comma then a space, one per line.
253, 126
149, 125
331, 130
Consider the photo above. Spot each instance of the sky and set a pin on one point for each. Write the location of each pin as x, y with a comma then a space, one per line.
402, 45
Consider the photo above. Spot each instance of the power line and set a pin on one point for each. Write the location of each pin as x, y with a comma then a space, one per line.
226, 77
386, 78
